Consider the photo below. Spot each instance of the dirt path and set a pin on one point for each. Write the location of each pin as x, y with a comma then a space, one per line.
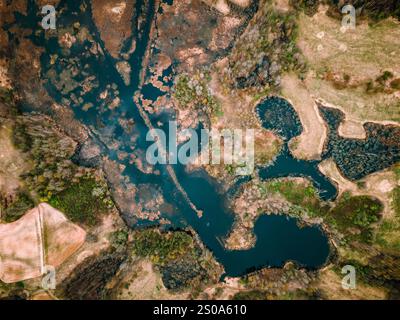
310, 143
43, 236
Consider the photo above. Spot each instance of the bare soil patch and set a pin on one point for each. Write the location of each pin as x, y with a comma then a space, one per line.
310, 143
43, 236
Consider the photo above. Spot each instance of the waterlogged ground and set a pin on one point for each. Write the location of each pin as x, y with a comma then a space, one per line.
107, 94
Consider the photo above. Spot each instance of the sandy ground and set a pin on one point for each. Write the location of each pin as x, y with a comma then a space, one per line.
43, 236
310, 143
227, 289
223, 7
281, 5
113, 20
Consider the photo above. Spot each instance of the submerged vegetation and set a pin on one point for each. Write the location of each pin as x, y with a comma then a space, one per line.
278, 115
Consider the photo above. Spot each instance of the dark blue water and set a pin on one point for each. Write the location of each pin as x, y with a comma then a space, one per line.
279, 239
278, 115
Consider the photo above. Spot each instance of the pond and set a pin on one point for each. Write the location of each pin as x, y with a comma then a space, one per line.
279, 238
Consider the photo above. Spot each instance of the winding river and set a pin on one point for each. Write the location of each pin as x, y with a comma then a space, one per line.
279, 238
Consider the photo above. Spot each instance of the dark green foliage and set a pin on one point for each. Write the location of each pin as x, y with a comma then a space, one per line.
386, 75
396, 201
375, 10
17, 208
381, 270
49, 151
182, 91
185, 273
355, 215
177, 256
162, 248
80, 202
194, 93
299, 195
357, 158
309, 7
119, 239
6, 96
279, 116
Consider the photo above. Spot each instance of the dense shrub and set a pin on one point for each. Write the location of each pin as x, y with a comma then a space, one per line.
82, 202
162, 248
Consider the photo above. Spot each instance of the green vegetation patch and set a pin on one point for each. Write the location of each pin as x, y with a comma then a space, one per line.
83, 201
310, 7
354, 216
388, 234
193, 92
396, 201
12, 212
301, 195
6, 96
250, 295
162, 248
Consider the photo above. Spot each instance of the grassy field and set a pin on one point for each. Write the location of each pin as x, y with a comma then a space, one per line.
342, 66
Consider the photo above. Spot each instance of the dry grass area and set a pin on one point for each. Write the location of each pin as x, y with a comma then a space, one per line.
359, 56
144, 283
12, 163
101, 233
330, 286
310, 143
43, 236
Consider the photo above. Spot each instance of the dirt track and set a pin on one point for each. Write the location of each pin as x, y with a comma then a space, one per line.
43, 236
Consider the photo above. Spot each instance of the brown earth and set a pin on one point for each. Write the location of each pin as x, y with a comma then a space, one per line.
310, 143
113, 20
43, 236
